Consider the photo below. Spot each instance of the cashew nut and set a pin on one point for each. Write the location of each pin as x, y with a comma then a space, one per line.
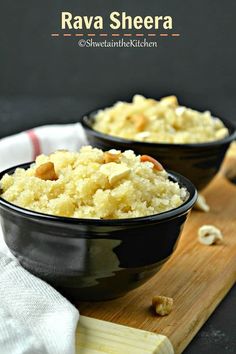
156, 165
140, 121
46, 171
201, 204
163, 305
170, 101
209, 234
111, 157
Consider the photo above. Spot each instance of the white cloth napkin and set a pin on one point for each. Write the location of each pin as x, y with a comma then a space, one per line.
34, 317
25, 146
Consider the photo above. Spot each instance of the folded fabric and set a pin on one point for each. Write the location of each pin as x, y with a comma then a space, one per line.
15, 337
34, 317
25, 146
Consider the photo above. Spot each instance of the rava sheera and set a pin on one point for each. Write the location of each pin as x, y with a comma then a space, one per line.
117, 21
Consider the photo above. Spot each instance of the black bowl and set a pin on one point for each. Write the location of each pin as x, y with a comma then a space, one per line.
198, 162
90, 259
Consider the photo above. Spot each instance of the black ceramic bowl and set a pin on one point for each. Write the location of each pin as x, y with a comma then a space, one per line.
90, 259
198, 162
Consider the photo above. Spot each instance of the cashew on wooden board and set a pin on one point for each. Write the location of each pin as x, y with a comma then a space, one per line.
201, 204
163, 305
209, 234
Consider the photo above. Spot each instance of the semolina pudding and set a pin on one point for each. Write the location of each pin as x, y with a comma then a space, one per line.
163, 121
93, 184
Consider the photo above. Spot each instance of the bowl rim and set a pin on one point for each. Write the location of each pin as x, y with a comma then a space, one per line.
163, 216
84, 120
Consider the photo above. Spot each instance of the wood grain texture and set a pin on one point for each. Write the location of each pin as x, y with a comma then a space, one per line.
197, 277
102, 337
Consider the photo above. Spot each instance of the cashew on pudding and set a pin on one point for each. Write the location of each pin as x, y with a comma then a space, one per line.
163, 121
93, 184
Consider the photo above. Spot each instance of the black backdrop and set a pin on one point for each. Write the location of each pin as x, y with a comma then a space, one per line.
45, 80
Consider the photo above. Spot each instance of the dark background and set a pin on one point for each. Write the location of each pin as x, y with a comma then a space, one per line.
47, 80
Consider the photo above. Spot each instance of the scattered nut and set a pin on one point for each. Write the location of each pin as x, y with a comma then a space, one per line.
156, 165
140, 121
114, 152
110, 157
114, 171
142, 135
201, 204
46, 171
163, 305
170, 101
209, 234
180, 110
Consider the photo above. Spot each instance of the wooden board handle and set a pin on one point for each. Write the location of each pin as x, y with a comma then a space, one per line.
96, 337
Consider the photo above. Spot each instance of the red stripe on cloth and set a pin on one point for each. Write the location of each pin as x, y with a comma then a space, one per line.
35, 143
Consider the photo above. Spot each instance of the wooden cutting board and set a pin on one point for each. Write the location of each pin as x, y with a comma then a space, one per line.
197, 277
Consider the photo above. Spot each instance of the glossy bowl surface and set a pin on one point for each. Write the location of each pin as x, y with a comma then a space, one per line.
198, 162
91, 259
